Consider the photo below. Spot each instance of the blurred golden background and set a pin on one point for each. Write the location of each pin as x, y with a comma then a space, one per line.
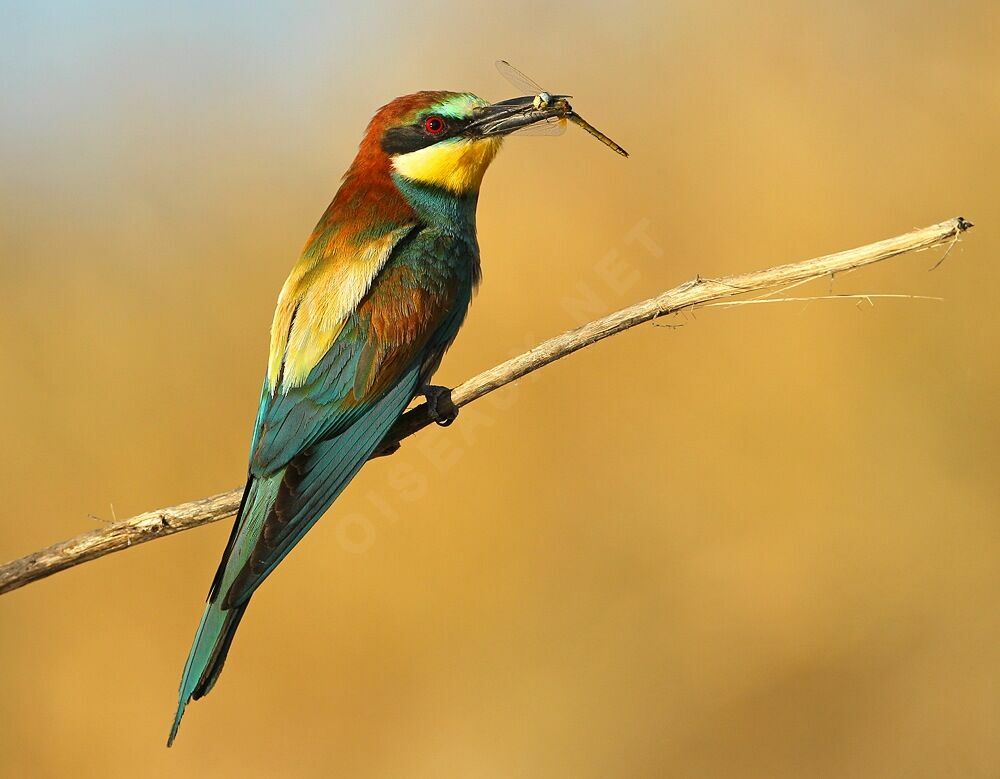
762, 544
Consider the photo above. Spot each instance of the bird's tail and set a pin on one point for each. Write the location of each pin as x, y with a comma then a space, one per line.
204, 663
218, 623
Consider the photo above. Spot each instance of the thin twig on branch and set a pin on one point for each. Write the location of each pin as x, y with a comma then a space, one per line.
699, 292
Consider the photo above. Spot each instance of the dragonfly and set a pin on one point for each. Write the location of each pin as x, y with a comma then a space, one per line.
545, 99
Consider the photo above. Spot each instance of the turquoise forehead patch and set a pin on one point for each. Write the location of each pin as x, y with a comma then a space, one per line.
459, 106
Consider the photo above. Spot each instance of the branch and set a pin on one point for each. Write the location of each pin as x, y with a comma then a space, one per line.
699, 292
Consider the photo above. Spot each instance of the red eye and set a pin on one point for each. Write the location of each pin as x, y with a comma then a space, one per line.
434, 125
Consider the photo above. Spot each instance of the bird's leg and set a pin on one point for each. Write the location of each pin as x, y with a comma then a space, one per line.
440, 407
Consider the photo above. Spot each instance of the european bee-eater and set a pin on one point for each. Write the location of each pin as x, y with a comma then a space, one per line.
377, 296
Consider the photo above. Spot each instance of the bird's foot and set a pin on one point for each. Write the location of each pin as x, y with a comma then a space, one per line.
440, 407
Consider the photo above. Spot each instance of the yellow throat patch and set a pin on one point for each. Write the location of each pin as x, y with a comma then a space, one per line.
457, 164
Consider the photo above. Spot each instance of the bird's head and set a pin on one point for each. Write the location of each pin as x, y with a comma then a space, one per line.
443, 139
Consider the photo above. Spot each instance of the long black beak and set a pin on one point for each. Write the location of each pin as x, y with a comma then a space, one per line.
509, 115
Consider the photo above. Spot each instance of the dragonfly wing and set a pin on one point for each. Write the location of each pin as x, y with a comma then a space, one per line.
517, 78
551, 126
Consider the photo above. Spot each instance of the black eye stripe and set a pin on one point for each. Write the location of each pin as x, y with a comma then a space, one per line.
400, 140
412, 137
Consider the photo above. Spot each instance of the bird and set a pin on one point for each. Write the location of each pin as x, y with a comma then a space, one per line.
377, 296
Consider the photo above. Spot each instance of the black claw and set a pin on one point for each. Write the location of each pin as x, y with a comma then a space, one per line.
440, 407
